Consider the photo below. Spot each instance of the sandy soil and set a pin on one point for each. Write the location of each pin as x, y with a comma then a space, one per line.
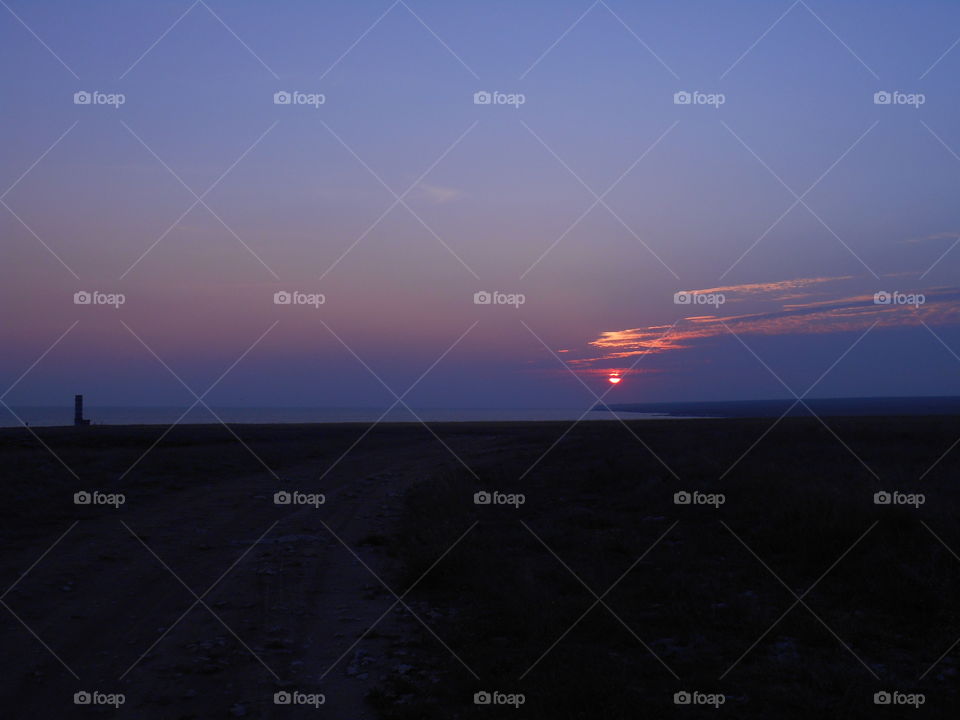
289, 598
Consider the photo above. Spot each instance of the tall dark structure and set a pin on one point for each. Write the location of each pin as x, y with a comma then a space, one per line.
78, 411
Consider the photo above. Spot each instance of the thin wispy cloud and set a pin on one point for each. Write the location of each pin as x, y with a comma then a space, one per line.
800, 306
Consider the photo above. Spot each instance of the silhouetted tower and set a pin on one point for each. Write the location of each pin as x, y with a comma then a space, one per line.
78, 411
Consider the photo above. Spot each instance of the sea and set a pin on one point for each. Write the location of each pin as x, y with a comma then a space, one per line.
774, 408
104, 415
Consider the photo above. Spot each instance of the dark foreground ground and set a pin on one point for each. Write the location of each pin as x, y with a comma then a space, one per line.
401, 597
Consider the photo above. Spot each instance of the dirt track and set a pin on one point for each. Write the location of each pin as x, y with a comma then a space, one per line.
288, 607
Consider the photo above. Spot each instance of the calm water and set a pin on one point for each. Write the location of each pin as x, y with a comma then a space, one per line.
169, 415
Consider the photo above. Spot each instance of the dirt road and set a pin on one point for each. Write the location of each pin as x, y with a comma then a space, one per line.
199, 597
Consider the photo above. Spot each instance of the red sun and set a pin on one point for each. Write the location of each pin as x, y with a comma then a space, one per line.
614, 379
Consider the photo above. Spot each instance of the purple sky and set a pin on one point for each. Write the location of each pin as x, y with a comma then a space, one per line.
794, 202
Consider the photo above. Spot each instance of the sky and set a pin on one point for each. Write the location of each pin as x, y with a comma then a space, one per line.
786, 231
